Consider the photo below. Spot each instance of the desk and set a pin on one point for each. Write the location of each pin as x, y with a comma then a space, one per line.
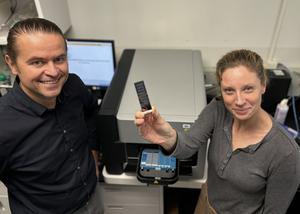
193, 181
184, 191
139, 197
130, 179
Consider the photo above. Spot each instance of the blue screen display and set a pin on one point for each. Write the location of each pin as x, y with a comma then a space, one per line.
93, 61
155, 160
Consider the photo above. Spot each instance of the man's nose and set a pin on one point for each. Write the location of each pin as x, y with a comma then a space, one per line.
52, 69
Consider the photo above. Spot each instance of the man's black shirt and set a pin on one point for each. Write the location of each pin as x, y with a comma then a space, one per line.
45, 154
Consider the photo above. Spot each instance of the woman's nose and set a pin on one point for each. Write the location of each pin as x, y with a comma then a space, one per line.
239, 99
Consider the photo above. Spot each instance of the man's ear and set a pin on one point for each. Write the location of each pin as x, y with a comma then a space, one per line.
11, 64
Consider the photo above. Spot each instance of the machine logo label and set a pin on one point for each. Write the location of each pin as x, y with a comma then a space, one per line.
186, 126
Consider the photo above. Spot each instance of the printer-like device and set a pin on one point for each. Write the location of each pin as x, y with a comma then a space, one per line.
175, 85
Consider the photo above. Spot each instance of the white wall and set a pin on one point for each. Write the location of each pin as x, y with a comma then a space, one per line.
213, 26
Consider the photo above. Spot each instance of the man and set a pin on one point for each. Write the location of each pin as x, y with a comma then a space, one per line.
46, 129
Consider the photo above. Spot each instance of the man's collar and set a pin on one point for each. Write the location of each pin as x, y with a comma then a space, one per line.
24, 99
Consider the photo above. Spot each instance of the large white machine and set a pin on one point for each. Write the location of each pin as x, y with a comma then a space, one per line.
175, 84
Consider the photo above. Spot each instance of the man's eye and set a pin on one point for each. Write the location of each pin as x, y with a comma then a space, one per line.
37, 63
60, 59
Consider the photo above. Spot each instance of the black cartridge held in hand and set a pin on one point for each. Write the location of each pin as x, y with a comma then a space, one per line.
142, 95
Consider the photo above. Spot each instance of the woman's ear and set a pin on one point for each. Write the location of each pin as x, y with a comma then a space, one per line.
263, 87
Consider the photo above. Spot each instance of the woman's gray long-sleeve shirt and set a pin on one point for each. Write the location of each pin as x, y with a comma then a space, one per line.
261, 178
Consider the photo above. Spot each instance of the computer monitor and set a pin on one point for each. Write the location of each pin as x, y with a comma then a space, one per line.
93, 61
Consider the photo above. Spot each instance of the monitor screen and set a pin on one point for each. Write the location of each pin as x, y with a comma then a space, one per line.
92, 60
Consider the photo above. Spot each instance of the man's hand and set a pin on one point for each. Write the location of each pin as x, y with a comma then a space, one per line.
96, 159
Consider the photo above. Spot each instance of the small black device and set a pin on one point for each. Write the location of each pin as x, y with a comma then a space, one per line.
279, 81
156, 168
142, 95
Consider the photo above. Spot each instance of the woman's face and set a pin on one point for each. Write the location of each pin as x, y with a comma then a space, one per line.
241, 91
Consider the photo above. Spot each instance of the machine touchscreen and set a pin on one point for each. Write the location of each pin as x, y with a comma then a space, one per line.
155, 167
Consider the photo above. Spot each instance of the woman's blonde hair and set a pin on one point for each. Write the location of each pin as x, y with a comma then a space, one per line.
244, 57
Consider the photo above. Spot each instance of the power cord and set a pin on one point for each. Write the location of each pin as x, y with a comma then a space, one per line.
13, 7
295, 115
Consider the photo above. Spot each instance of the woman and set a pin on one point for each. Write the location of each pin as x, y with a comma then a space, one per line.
253, 164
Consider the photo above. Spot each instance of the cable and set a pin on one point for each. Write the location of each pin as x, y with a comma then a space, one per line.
2, 50
13, 7
295, 115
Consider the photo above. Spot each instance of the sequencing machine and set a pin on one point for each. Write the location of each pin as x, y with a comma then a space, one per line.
175, 84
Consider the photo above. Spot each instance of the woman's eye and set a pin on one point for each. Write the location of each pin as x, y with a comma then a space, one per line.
228, 91
248, 89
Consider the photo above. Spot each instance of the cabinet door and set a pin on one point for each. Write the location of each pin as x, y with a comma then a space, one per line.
56, 11
132, 209
4, 206
132, 199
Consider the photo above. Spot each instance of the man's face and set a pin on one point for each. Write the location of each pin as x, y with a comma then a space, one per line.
41, 64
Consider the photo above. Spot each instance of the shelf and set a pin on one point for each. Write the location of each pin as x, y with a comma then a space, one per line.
54, 10
3, 36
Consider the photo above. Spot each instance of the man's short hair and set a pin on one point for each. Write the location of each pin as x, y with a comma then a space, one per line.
27, 26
